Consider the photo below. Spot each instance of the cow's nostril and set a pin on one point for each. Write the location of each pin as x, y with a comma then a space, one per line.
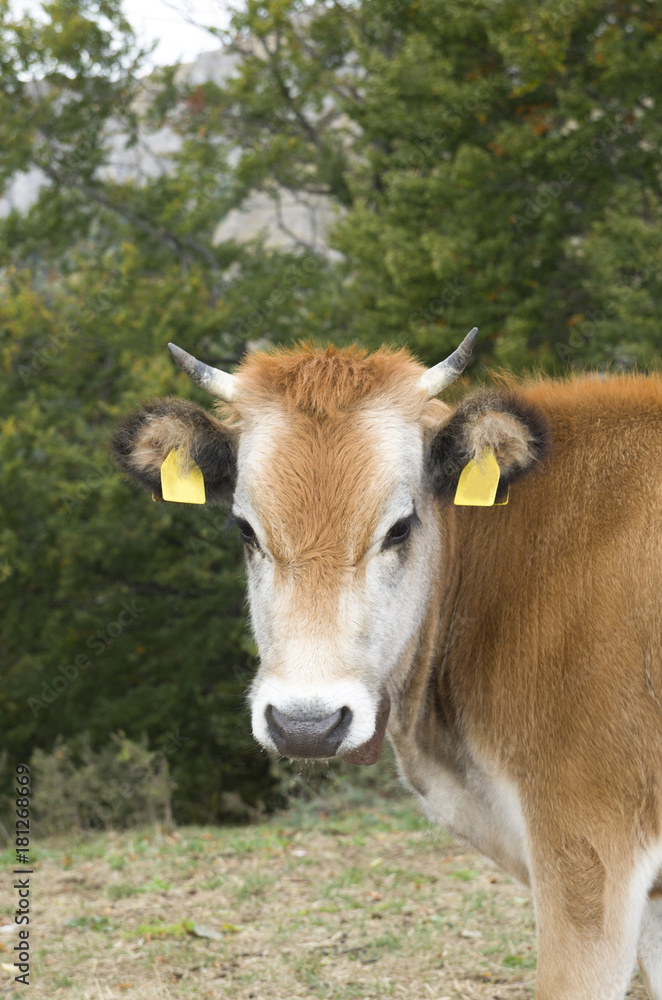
313, 727
308, 736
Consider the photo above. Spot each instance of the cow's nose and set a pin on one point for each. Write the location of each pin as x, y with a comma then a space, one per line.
301, 736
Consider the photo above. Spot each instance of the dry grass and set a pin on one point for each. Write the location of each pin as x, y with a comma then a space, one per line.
332, 900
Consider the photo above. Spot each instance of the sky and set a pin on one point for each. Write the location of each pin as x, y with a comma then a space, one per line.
166, 20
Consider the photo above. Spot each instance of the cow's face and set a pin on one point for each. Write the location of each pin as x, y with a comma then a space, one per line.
341, 545
339, 508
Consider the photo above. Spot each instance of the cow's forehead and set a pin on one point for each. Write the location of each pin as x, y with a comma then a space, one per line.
328, 381
324, 486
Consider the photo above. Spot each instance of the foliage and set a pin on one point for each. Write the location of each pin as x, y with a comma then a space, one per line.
119, 613
489, 163
122, 784
500, 168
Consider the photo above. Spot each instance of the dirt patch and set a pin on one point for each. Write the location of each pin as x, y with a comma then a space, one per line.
368, 903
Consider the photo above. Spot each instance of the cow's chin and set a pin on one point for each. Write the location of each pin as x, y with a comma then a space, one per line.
368, 752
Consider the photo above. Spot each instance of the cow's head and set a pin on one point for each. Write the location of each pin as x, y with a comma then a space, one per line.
337, 465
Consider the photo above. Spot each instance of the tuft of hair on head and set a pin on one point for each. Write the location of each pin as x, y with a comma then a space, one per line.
326, 380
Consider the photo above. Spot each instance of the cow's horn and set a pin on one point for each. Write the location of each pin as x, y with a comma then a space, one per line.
212, 380
444, 374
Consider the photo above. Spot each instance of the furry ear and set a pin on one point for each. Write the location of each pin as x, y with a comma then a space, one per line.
516, 431
144, 439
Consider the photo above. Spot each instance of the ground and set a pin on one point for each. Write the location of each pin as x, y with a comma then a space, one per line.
335, 899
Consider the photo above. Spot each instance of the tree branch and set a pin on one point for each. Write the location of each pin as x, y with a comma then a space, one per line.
184, 247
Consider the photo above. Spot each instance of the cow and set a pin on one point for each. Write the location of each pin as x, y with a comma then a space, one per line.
511, 651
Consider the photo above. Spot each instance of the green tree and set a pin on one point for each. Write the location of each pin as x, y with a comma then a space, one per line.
509, 178
495, 164
120, 614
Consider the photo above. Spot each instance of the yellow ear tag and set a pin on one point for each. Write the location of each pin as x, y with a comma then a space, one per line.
478, 482
181, 482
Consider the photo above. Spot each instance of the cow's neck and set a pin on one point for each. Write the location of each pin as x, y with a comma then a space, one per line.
434, 756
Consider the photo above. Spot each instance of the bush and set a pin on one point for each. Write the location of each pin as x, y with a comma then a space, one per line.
121, 785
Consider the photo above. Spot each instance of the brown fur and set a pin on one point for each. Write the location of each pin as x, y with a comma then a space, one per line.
566, 588
328, 381
582, 876
552, 666
317, 483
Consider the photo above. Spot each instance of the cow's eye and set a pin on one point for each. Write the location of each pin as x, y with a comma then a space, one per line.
248, 536
400, 532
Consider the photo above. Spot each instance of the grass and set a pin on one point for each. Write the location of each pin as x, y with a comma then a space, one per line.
345, 897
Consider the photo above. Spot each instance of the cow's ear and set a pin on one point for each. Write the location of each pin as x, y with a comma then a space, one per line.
146, 437
515, 430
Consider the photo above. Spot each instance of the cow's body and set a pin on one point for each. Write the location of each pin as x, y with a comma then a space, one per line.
520, 645
530, 721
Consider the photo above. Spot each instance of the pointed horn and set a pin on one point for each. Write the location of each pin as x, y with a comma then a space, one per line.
212, 380
444, 374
